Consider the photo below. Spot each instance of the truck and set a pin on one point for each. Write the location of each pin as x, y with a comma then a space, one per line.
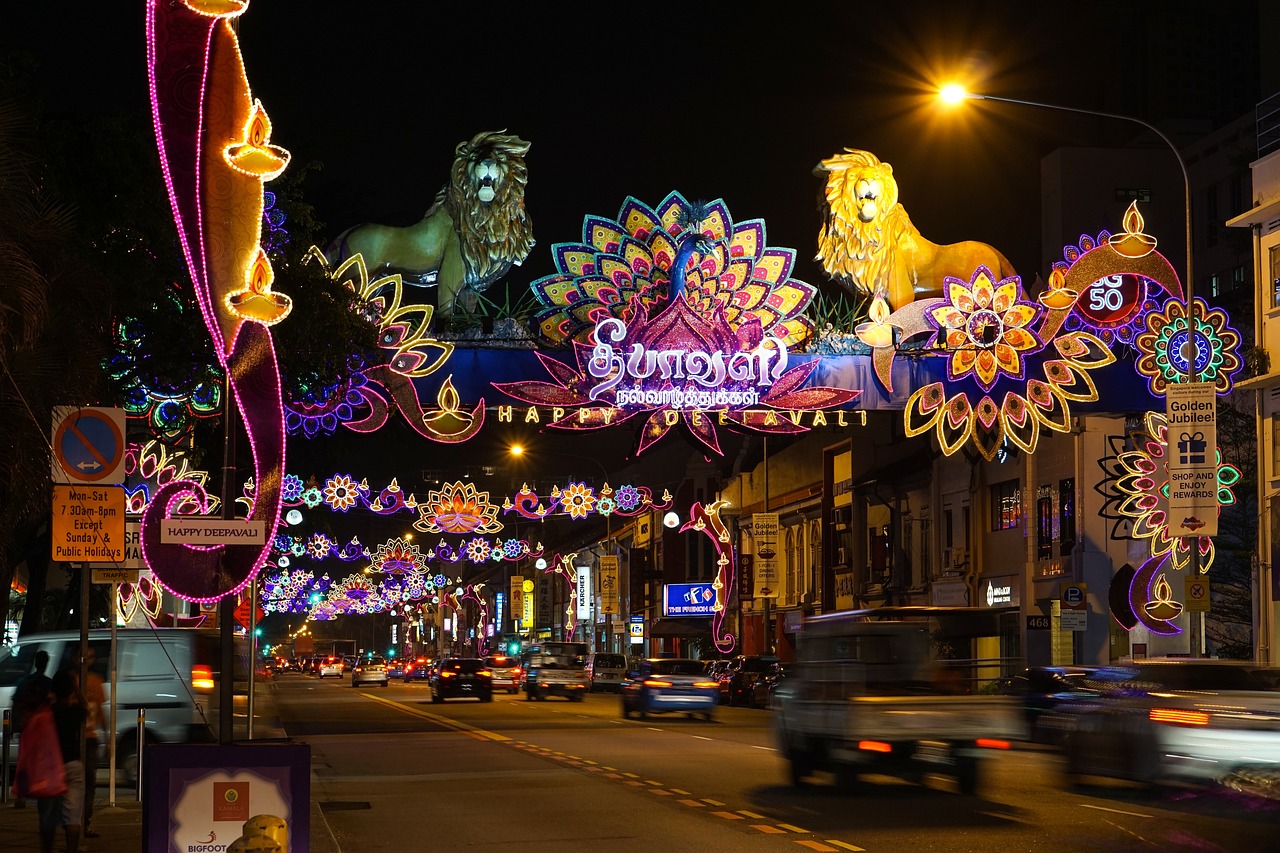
555, 669
891, 691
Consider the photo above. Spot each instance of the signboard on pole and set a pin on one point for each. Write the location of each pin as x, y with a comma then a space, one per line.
1074, 614
88, 524
132, 553
1192, 457
88, 445
212, 531
764, 530
516, 588
609, 585
688, 599
1197, 596
526, 615
635, 629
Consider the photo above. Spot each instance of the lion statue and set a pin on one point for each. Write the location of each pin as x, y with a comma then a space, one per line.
868, 243
475, 231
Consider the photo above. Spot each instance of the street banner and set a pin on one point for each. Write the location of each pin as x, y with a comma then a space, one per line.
1191, 453
609, 585
764, 530
584, 593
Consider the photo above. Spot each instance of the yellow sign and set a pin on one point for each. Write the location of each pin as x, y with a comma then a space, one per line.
116, 575
609, 585
1197, 596
88, 524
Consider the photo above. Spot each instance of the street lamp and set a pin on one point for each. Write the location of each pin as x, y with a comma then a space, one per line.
954, 93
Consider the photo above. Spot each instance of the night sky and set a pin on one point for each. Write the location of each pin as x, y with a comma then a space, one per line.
715, 99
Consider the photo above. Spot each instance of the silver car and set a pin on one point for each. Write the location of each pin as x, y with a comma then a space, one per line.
1197, 721
370, 670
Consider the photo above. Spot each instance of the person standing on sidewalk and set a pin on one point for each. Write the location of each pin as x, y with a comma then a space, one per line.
32, 692
69, 715
95, 696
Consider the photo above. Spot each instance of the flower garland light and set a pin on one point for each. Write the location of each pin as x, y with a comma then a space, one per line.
1164, 344
458, 508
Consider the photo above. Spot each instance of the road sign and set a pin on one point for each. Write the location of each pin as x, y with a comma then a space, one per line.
242, 613
1074, 614
116, 575
212, 531
1191, 453
1197, 596
1039, 623
132, 550
88, 445
88, 523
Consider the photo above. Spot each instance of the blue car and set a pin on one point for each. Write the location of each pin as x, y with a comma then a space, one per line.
676, 685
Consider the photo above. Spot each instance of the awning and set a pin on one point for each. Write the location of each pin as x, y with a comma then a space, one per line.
679, 627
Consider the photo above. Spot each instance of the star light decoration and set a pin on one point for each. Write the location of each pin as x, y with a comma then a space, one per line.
1165, 343
1136, 488
679, 280
584, 501
458, 508
989, 335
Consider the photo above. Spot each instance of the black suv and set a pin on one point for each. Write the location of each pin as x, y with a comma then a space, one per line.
461, 677
743, 673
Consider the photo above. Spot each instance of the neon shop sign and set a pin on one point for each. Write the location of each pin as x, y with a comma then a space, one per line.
681, 378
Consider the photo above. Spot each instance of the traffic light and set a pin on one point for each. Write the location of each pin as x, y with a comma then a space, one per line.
391, 653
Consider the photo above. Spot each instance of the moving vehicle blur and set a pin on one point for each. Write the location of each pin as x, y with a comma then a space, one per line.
458, 678
555, 669
605, 671
418, 669
1041, 689
1190, 721
506, 672
677, 685
370, 670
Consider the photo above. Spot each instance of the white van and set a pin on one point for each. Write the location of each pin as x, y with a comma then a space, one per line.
171, 673
605, 671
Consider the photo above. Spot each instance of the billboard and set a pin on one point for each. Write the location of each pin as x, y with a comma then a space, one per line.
688, 599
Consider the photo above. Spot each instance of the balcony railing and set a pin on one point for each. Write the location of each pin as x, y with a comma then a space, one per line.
1268, 118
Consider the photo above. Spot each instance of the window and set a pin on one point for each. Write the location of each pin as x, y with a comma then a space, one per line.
1274, 257
1215, 285
926, 547
1044, 522
1237, 278
1066, 516
1006, 505
792, 550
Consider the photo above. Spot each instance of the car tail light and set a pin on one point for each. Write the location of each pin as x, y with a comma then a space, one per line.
653, 682
1179, 718
706, 684
992, 743
874, 746
448, 673
486, 673
202, 677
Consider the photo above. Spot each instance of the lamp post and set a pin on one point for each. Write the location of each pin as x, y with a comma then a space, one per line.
954, 94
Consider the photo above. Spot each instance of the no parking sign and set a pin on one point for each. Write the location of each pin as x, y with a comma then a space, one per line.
1197, 596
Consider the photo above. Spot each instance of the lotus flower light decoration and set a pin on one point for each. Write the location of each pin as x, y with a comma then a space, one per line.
458, 508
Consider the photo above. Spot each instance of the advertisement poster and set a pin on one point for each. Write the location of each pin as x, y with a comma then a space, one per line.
584, 593
688, 599
1192, 454
609, 585
764, 529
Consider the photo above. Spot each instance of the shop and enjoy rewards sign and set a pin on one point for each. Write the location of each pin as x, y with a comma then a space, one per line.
764, 530
1192, 456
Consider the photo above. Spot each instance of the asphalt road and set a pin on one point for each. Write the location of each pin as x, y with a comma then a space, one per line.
392, 771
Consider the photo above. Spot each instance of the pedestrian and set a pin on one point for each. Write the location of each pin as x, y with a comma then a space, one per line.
95, 696
32, 692
69, 715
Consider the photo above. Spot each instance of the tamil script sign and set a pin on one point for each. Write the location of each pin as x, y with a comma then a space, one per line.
1192, 457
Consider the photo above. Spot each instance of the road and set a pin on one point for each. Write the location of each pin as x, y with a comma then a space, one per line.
392, 771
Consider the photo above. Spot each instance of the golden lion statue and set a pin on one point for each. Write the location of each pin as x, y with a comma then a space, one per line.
868, 243
475, 231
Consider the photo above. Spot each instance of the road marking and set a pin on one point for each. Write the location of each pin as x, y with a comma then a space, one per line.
845, 846
764, 827
745, 813
682, 793
789, 828
693, 804
817, 845
472, 731
1114, 811
651, 782
728, 815
766, 748
699, 737
713, 802
631, 775
660, 792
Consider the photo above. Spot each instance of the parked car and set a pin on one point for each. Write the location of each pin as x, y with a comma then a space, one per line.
677, 685
768, 683
1043, 688
418, 669
743, 674
330, 667
1198, 721
506, 672
371, 670
458, 678
605, 671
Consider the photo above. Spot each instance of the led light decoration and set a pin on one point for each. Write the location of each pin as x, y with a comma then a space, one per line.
988, 332
151, 466
1145, 597
398, 557
670, 312
406, 352
458, 508
626, 501
1136, 488
563, 566
215, 152
706, 520
479, 550
472, 592
1165, 343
